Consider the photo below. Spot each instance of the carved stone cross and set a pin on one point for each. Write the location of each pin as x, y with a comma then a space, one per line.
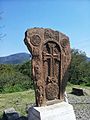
50, 62
52, 56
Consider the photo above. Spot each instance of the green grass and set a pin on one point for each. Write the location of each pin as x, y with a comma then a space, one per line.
18, 100
70, 86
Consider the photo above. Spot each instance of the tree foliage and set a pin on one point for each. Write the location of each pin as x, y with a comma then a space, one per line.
80, 68
18, 77
15, 77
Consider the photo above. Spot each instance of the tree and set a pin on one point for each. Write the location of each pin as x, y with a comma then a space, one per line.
78, 67
15, 77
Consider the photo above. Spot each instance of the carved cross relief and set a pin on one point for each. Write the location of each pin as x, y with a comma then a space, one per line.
51, 61
51, 58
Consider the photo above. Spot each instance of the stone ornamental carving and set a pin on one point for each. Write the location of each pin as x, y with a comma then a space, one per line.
50, 62
35, 40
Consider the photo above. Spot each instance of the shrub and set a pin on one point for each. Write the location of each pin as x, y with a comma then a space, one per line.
13, 79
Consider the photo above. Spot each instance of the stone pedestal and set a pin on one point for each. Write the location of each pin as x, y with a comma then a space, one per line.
59, 111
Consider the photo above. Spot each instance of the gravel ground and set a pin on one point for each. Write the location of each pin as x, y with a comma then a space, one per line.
81, 105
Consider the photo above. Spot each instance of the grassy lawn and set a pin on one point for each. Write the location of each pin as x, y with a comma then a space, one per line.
69, 88
18, 100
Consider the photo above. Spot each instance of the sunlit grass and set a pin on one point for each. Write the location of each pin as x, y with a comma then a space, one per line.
70, 86
18, 100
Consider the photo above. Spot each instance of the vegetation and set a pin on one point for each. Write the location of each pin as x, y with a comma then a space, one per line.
17, 100
15, 78
85, 88
80, 68
20, 100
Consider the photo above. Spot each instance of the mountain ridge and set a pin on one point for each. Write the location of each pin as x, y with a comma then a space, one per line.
17, 58
88, 58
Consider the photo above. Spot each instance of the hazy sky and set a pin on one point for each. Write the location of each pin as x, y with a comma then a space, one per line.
71, 17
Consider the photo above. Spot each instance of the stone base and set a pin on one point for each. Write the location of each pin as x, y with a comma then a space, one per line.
59, 111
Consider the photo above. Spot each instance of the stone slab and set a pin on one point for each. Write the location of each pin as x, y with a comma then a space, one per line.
51, 58
10, 114
78, 91
59, 111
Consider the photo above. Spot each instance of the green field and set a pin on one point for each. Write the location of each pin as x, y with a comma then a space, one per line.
69, 88
19, 100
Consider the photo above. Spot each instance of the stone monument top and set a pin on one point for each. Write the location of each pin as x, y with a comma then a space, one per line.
50, 62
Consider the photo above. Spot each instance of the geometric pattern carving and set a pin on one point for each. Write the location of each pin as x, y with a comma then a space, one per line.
35, 40
50, 62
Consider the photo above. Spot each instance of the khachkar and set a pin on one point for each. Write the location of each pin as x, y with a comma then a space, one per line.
50, 62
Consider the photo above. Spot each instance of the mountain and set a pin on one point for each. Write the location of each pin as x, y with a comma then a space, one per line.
18, 58
88, 59
15, 58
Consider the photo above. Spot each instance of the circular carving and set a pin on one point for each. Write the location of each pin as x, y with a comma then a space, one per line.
52, 91
35, 40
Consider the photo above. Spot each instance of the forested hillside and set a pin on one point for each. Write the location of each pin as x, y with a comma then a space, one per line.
15, 77
80, 68
15, 58
18, 77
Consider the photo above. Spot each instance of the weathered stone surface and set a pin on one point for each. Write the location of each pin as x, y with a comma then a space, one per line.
10, 114
50, 62
22, 118
59, 111
77, 91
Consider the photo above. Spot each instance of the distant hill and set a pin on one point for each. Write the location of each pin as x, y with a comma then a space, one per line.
88, 59
18, 58
15, 58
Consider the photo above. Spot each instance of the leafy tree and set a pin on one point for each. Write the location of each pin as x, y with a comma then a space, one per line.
79, 70
25, 68
15, 77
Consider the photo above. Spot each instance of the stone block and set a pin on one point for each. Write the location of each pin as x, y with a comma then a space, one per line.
78, 91
22, 118
59, 111
10, 114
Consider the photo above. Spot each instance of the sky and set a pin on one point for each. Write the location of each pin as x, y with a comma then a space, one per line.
71, 17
